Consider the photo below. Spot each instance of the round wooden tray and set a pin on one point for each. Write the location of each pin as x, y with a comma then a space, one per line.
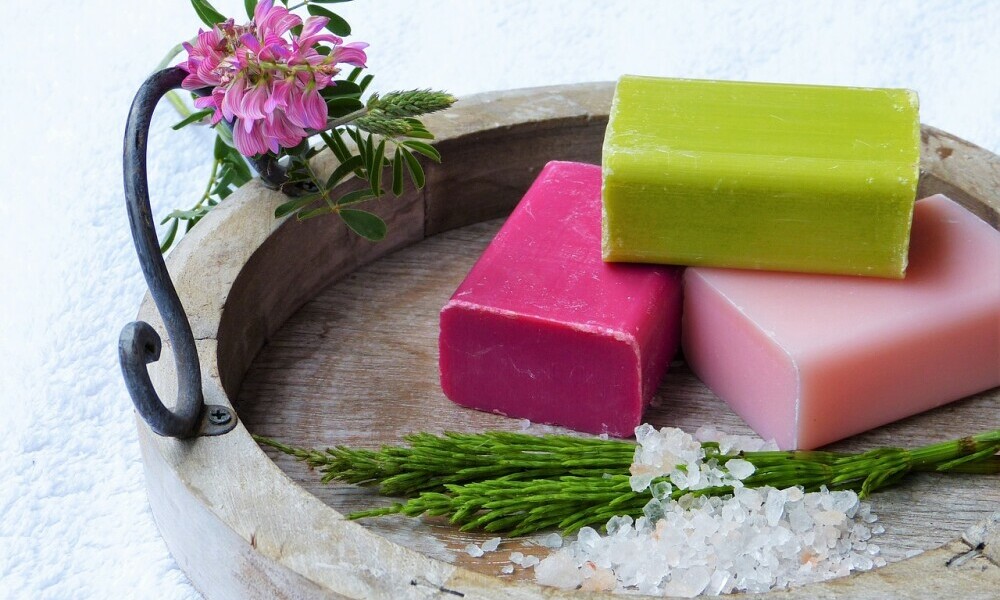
316, 343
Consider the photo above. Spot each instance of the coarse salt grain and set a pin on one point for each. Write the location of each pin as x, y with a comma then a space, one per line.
753, 540
491, 544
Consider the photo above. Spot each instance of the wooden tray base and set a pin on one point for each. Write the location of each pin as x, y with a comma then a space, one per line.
317, 349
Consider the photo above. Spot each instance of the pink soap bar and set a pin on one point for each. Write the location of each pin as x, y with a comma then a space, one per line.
810, 359
543, 329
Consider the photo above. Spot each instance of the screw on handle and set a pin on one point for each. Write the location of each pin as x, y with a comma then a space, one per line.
139, 344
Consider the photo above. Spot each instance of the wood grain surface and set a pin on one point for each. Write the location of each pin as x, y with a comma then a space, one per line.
321, 338
357, 366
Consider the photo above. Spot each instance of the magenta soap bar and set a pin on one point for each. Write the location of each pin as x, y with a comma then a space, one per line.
810, 359
543, 329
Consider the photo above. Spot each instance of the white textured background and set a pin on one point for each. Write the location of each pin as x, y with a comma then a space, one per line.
74, 522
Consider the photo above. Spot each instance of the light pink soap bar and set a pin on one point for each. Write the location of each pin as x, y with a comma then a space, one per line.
809, 359
543, 329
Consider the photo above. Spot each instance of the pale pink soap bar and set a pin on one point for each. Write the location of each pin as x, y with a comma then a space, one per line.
543, 329
810, 359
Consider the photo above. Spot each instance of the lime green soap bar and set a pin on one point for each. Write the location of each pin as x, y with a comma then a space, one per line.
815, 179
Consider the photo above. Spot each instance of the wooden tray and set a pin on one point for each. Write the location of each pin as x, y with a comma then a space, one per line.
316, 343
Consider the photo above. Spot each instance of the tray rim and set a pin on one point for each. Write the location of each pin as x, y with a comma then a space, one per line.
240, 528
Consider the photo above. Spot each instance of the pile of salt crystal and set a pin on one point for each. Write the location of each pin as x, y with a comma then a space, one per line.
755, 540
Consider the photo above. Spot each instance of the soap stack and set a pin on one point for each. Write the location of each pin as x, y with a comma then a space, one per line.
819, 300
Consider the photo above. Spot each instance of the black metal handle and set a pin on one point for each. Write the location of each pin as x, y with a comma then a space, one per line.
139, 344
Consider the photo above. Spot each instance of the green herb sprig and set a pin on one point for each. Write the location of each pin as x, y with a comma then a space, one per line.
518, 483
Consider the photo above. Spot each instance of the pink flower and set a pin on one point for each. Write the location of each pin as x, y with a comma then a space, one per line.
266, 78
308, 109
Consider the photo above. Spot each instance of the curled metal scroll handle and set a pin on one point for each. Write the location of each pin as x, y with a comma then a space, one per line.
139, 344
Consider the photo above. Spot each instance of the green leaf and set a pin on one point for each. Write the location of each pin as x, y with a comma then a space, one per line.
250, 6
168, 240
343, 170
418, 131
207, 13
222, 130
341, 153
225, 180
397, 172
368, 153
355, 197
342, 106
353, 75
364, 223
337, 137
376, 171
192, 118
365, 81
187, 215
355, 135
337, 25
239, 165
221, 149
341, 87
296, 204
416, 171
314, 212
425, 149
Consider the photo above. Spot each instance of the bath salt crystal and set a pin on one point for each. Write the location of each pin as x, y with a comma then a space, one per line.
507, 569
846, 502
530, 561
474, 551
554, 540
774, 506
588, 537
517, 558
753, 540
661, 489
559, 569
640, 482
491, 544
740, 468
707, 433
614, 525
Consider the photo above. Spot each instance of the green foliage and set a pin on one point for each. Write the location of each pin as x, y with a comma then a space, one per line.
376, 143
207, 13
336, 25
195, 117
229, 172
500, 481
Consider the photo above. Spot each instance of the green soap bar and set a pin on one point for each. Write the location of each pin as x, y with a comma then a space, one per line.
815, 179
